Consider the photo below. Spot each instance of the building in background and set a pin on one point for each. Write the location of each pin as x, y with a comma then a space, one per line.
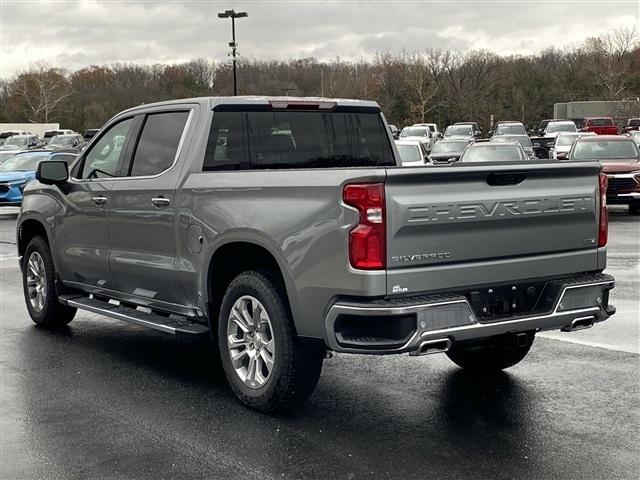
619, 110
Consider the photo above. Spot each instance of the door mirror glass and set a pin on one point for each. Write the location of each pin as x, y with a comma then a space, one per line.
52, 172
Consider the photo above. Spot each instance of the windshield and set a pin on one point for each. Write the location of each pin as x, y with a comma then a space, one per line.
60, 140
561, 127
18, 141
523, 140
599, 122
605, 150
492, 153
50, 134
409, 153
565, 140
634, 122
510, 129
415, 132
462, 130
22, 162
448, 147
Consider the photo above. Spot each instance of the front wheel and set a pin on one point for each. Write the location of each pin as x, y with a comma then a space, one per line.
267, 366
496, 354
38, 280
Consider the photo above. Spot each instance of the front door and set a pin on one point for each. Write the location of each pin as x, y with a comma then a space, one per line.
82, 234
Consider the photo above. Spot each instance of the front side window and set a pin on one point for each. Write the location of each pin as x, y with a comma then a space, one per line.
297, 139
158, 144
106, 157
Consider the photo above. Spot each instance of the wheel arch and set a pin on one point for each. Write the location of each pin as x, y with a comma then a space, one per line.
29, 228
230, 259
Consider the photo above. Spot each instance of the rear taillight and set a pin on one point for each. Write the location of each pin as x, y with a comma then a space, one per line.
603, 231
367, 247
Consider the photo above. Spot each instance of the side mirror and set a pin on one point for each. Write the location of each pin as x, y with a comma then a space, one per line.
52, 172
562, 156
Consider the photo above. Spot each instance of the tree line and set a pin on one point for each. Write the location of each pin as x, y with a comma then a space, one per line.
432, 85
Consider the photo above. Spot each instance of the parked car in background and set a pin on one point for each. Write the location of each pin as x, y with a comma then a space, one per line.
20, 169
542, 146
564, 142
5, 135
21, 142
74, 140
633, 125
556, 127
432, 126
477, 131
494, 152
543, 124
49, 134
412, 153
90, 133
620, 159
394, 131
447, 151
523, 140
600, 126
459, 132
422, 134
509, 128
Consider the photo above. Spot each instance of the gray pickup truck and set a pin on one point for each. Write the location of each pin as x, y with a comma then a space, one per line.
285, 229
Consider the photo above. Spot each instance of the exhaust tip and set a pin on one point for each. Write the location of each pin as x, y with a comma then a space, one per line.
430, 347
581, 323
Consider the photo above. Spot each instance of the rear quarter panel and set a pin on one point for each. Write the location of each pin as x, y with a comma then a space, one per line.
297, 215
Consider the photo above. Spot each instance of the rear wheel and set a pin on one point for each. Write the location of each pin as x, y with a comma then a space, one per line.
38, 280
493, 355
268, 367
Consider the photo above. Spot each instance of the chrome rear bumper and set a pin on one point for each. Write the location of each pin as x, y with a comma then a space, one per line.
579, 303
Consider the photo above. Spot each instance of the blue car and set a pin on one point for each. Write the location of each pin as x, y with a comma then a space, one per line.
20, 169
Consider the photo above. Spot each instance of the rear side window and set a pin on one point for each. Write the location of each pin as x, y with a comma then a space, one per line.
286, 140
158, 143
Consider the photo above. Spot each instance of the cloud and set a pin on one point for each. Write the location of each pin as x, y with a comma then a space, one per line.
76, 34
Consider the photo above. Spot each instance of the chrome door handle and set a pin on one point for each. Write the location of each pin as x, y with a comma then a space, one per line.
161, 202
100, 200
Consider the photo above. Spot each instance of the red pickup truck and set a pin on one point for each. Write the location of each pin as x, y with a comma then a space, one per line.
600, 126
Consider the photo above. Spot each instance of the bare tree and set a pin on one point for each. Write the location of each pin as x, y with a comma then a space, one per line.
43, 89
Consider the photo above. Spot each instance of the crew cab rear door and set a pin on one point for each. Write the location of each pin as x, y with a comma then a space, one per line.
477, 224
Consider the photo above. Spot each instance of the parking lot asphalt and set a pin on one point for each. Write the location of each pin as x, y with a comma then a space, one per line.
104, 399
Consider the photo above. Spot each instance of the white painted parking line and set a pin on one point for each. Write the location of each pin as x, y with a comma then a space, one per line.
587, 343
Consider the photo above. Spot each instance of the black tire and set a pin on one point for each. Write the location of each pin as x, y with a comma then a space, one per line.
494, 355
296, 364
52, 314
634, 209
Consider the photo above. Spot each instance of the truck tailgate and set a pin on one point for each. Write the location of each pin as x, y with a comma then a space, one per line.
464, 225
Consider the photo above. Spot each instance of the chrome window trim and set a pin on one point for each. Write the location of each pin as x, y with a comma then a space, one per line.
175, 159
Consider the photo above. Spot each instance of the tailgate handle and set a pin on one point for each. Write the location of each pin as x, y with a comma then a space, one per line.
510, 178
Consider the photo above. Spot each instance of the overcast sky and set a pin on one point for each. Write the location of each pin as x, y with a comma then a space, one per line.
73, 35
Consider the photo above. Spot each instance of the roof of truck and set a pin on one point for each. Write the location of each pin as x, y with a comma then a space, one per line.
212, 102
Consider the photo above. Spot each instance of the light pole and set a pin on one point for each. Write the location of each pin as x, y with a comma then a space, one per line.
232, 14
